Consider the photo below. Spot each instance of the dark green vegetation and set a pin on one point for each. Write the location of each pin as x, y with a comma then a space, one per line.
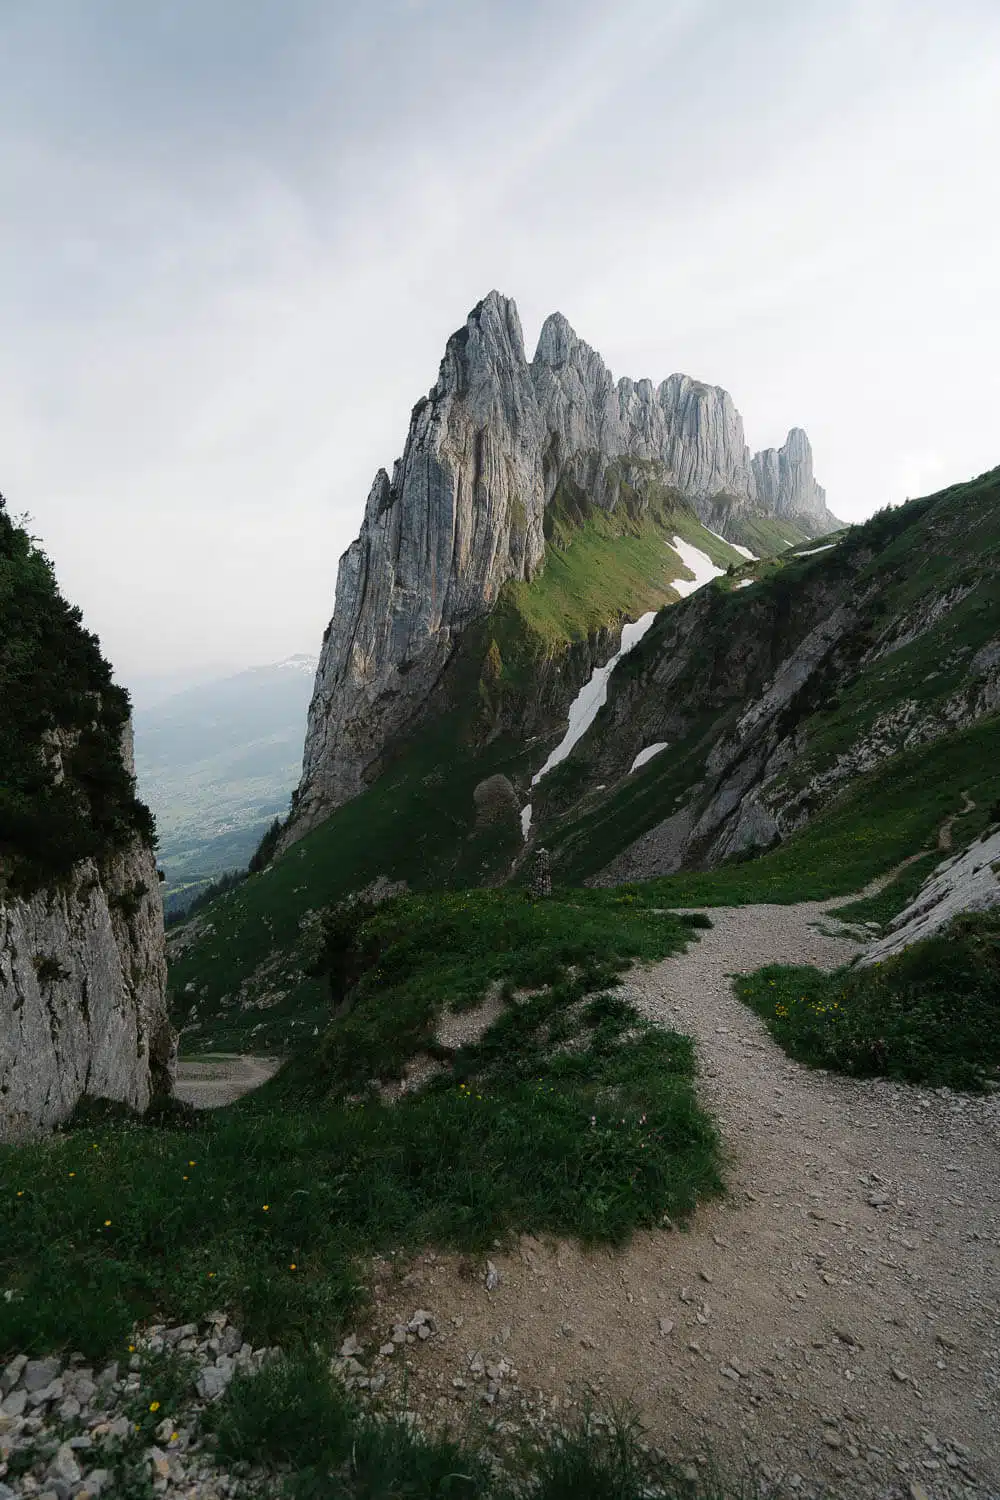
570, 1115
252, 935
65, 792
293, 1422
929, 1015
217, 762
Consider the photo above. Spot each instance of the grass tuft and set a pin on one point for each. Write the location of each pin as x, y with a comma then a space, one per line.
930, 1015
317, 1442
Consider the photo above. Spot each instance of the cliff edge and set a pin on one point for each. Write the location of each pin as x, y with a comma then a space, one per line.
82, 958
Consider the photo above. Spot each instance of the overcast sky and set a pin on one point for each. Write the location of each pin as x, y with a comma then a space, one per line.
236, 234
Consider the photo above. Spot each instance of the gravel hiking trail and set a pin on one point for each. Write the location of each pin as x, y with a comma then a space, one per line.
833, 1322
211, 1081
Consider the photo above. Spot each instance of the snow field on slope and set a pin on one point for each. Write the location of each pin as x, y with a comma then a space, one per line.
647, 754
594, 694
743, 551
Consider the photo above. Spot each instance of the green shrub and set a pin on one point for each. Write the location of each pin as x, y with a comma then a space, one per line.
264, 852
291, 1412
58, 698
929, 1015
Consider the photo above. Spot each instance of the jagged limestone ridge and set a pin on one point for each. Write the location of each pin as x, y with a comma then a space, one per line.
463, 511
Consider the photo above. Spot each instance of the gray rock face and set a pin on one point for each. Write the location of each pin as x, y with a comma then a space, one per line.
82, 993
463, 512
784, 485
966, 882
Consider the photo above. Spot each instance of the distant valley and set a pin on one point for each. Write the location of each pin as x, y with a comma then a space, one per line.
216, 762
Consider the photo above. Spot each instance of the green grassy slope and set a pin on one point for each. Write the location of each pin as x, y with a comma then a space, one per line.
922, 587
928, 1015
601, 567
767, 537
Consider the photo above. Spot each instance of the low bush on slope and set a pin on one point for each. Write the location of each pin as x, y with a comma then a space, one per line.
570, 1116
929, 1015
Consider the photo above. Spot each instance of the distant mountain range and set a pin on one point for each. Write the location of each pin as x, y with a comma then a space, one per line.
216, 763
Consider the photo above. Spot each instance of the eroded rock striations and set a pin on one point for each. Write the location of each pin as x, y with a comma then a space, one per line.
463, 514
82, 986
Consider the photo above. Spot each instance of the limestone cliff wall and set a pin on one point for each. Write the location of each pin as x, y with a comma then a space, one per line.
82, 985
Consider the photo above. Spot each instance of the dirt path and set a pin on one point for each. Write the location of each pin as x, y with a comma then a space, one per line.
945, 836
217, 1080
835, 1321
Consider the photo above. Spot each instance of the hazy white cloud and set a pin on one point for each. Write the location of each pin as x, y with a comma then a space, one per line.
237, 238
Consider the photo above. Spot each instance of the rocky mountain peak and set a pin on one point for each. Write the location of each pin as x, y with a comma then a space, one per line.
784, 483
557, 342
462, 514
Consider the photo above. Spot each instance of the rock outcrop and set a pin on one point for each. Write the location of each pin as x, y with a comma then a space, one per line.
965, 882
769, 704
463, 513
82, 984
82, 957
783, 482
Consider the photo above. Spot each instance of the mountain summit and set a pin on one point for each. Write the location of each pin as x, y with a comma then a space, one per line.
465, 513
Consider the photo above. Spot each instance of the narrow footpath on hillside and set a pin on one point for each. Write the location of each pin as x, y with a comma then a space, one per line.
833, 1322
211, 1081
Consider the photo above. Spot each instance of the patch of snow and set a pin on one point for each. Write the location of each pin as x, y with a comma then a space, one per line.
696, 562
813, 550
647, 754
525, 820
746, 583
743, 551
594, 694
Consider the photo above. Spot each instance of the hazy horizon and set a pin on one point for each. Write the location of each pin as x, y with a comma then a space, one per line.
240, 239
